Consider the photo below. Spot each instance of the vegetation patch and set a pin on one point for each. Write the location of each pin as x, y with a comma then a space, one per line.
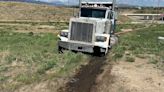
150, 10
35, 12
128, 26
142, 43
130, 59
33, 58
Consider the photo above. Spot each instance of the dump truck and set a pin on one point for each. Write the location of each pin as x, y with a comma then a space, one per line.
93, 31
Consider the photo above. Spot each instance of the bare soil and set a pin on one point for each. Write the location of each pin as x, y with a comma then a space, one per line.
45, 86
139, 76
84, 80
102, 76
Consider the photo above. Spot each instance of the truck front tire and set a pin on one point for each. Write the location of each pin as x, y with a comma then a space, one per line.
60, 49
97, 52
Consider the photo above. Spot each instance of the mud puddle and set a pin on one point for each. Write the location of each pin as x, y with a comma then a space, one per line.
85, 78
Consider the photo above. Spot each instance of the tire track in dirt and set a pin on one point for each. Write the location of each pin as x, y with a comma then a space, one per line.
86, 77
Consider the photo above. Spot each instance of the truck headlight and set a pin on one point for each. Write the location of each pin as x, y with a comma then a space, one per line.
101, 39
64, 34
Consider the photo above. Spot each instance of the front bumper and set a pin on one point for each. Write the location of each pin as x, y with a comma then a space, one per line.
77, 46
89, 48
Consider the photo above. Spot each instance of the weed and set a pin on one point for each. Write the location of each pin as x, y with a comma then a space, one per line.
118, 52
27, 78
142, 56
9, 59
30, 33
3, 78
153, 60
3, 68
130, 59
46, 66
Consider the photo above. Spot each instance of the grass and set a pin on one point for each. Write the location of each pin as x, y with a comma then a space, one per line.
150, 11
29, 11
2, 78
124, 19
2, 68
128, 26
143, 42
153, 61
31, 56
118, 52
33, 26
130, 59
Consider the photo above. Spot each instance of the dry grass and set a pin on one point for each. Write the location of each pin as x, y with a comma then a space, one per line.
26, 11
123, 19
143, 43
29, 59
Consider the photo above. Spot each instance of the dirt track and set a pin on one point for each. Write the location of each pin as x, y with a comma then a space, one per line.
101, 76
85, 79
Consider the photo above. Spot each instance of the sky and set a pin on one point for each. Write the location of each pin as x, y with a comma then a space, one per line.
132, 2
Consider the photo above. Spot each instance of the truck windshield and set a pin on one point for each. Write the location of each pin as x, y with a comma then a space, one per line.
95, 13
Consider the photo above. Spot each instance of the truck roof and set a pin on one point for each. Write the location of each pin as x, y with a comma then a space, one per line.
99, 8
98, 5
97, 2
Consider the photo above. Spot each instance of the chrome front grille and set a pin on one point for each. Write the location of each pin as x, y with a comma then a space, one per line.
81, 32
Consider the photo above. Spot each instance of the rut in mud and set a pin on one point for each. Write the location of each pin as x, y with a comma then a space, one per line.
85, 79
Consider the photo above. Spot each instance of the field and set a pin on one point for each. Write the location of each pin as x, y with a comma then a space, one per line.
28, 47
30, 62
28, 58
34, 12
150, 10
143, 43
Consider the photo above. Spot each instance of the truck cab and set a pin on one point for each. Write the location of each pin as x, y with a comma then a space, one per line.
92, 30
